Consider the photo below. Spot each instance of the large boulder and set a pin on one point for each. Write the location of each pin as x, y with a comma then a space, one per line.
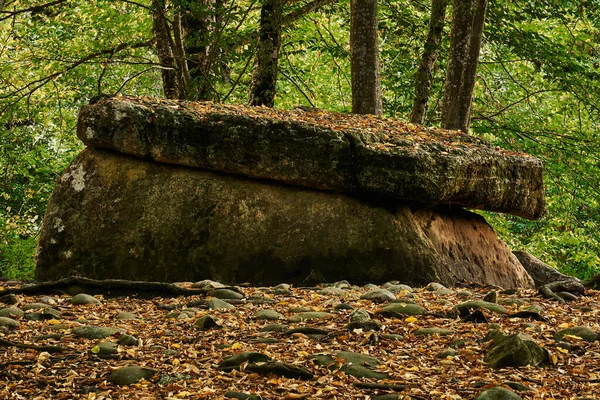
323, 150
117, 216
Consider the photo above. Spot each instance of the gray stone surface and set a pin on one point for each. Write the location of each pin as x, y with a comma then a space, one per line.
170, 223
82, 299
390, 158
130, 375
498, 393
516, 350
94, 332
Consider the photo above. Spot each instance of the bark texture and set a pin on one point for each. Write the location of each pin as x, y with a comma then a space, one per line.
198, 22
468, 17
164, 50
364, 54
431, 51
264, 76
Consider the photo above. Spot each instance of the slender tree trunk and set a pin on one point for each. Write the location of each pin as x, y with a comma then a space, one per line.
264, 75
364, 58
198, 22
183, 76
164, 49
431, 51
468, 18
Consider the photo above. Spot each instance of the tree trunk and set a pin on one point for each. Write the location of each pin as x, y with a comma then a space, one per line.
264, 75
468, 18
164, 49
364, 58
198, 22
431, 51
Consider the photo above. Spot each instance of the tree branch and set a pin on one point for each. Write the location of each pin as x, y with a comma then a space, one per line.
41, 7
33, 86
305, 10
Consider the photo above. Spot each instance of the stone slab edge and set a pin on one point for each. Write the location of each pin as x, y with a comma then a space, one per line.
428, 166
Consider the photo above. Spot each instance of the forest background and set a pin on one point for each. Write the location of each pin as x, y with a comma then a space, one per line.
537, 91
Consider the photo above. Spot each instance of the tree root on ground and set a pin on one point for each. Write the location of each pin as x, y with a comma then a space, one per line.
112, 287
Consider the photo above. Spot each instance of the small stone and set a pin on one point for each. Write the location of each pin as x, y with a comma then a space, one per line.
282, 286
534, 308
230, 363
398, 288
128, 340
46, 313
516, 350
218, 304
359, 315
343, 306
365, 326
432, 331
393, 336
94, 332
370, 286
260, 300
530, 326
280, 292
465, 308
511, 302
434, 286
297, 310
122, 316
491, 297
241, 396
344, 284
105, 349
331, 291
9, 299
396, 309
11, 312
379, 296
564, 345
206, 322
130, 375
310, 315
268, 315
226, 294
464, 294
583, 332
207, 284
355, 364
358, 359
360, 371
446, 353
497, 393
274, 328
82, 298
306, 330
9, 323
35, 306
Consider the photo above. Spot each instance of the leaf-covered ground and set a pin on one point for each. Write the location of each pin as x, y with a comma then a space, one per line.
43, 358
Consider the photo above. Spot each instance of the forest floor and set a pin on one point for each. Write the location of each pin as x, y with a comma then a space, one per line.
45, 356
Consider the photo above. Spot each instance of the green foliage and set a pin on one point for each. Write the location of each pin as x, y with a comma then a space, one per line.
538, 91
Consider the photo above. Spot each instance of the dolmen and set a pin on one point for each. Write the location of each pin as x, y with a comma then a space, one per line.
180, 191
